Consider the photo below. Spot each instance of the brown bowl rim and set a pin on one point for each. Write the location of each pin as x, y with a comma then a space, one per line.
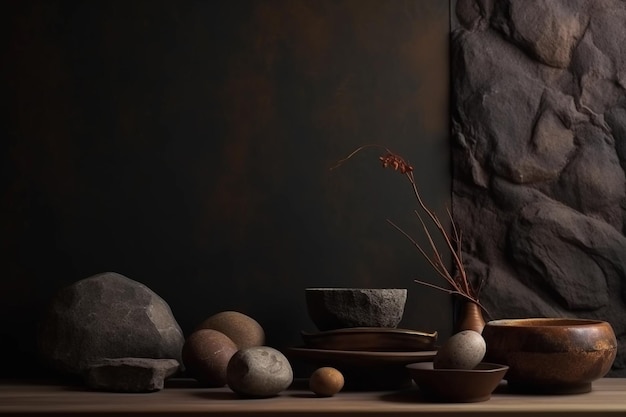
545, 322
491, 368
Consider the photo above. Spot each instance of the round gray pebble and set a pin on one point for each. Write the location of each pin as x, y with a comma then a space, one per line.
259, 371
463, 350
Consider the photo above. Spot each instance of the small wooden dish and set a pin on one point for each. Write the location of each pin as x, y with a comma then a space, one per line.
372, 339
457, 385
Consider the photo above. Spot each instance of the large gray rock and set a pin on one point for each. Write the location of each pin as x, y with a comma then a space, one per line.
130, 374
107, 316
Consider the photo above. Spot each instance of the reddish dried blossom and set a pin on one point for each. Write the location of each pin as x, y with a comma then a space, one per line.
396, 163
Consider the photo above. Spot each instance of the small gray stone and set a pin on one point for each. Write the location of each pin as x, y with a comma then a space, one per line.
130, 374
259, 371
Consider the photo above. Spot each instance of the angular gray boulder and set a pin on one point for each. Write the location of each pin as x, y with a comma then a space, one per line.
107, 316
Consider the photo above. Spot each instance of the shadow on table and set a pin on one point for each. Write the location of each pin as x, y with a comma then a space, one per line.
403, 396
217, 395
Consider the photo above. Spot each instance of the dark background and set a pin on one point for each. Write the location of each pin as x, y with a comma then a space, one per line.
187, 145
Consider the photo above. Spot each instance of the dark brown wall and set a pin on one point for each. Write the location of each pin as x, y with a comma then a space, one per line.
187, 145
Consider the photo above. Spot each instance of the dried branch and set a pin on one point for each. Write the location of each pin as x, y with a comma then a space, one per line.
456, 277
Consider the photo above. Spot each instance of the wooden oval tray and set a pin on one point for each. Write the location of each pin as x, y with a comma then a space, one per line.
362, 369
371, 339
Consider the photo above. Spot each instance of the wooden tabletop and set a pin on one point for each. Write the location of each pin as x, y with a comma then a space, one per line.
608, 398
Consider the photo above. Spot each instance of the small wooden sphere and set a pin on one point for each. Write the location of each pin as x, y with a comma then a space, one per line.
326, 381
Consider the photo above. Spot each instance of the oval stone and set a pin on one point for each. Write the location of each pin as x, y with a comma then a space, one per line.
259, 371
240, 328
206, 354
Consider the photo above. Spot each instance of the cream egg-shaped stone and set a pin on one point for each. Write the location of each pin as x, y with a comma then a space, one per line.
463, 350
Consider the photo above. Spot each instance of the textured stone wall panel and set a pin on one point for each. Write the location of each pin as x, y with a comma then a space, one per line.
547, 30
539, 150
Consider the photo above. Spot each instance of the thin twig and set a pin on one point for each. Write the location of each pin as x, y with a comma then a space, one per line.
421, 251
453, 292
447, 290
456, 233
357, 150
440, 261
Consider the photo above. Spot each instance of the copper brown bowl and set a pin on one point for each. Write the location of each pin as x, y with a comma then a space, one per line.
551, 355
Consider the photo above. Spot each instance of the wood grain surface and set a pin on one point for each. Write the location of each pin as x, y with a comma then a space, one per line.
607, 398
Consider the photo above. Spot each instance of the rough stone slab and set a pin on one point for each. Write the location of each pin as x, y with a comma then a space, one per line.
130, 374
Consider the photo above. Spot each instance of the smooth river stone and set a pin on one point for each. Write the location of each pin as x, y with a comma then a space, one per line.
259, 371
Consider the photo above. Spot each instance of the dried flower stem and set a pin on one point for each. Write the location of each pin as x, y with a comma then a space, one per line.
459, 282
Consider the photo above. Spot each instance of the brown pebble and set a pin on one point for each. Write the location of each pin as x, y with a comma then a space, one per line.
240, 328
326, 381
206, 353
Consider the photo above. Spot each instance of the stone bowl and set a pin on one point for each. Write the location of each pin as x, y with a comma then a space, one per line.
340, 308
551, 355
457, 385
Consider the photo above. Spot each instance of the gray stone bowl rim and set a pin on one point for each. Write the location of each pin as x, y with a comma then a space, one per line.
354, 289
